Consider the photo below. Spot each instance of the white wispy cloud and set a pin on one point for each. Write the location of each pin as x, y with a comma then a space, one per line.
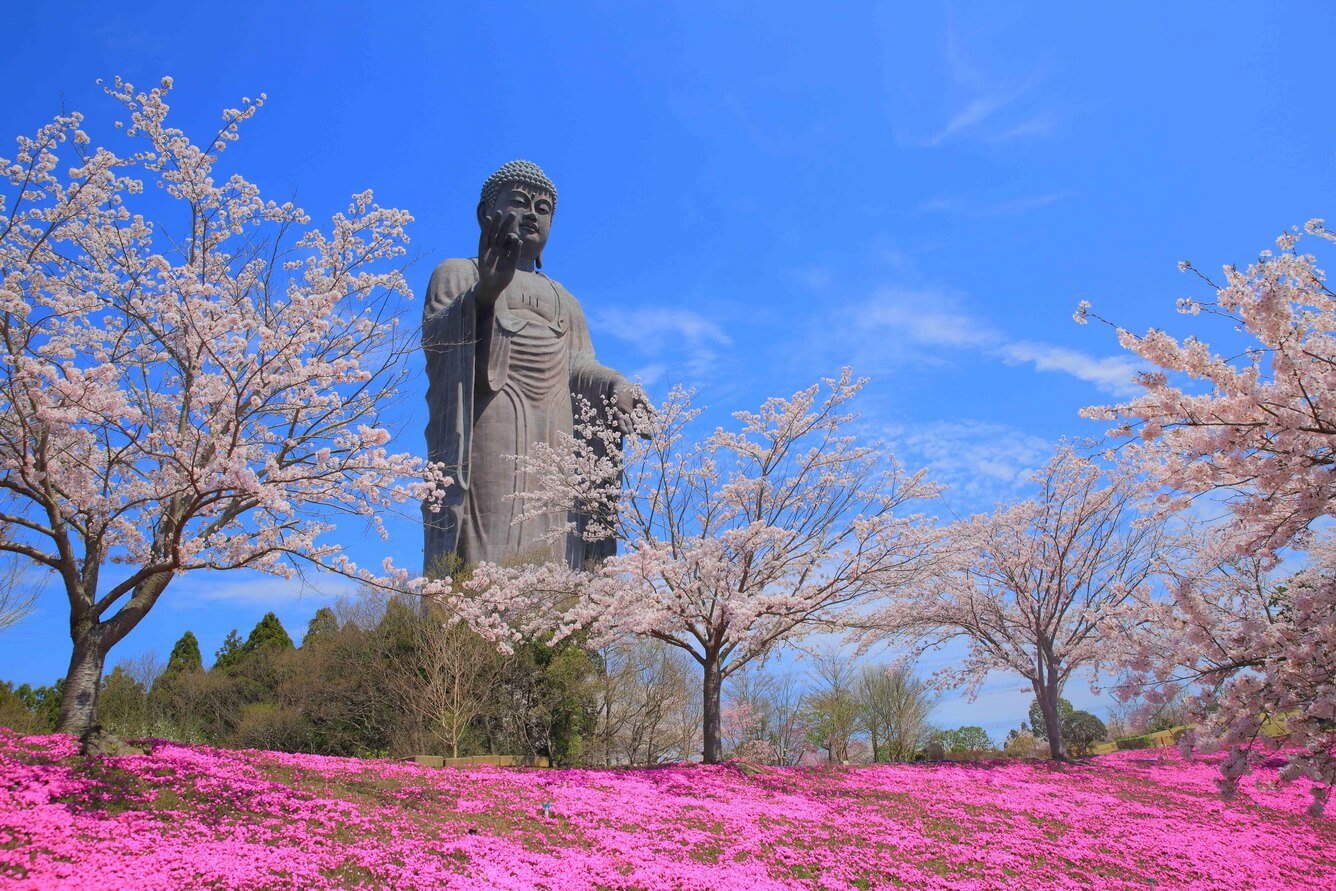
933, 318
981, 463
987, 112
258, 590
926, 317
1111, 374
1040, 125
972, 115
962, 205
666, 336
650, 374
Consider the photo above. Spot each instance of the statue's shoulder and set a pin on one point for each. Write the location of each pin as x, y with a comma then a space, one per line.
449, 281
455, 271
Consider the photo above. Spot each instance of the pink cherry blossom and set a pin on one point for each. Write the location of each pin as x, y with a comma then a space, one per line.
1029, 586
731, 543
1253, 429
192, 375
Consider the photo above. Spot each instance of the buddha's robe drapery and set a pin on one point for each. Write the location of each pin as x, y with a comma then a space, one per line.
497, 384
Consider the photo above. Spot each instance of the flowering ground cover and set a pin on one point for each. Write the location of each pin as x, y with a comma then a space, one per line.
207, 818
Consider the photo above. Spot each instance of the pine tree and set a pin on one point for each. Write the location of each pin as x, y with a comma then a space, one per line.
185, 657
268, 632
323, 624
43, 700
229, 654
256, 668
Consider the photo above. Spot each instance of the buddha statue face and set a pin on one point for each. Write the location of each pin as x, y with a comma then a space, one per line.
532, 209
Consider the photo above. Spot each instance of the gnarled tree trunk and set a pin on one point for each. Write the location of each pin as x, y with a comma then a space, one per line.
83, 681
93, 639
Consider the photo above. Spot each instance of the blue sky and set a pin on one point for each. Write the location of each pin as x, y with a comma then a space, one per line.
753, 195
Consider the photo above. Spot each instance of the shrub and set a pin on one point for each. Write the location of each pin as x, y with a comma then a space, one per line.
1024, 744
1081, 730
264, 725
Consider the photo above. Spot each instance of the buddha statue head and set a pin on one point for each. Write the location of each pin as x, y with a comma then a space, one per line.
521, 189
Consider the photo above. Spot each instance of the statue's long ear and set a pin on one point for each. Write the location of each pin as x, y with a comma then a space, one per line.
538, 262
482, 212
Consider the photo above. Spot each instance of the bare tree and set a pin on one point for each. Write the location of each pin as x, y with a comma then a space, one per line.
764, 717
145, 668
683, 740
641, 689
895, 705
832, 707
17, 596
788, 734
448, 679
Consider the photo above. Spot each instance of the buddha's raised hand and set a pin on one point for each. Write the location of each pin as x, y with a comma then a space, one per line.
498, 255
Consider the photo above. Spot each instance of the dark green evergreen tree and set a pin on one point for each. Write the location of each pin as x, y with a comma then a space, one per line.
568, 682
15, 713
255, 670
173, 700
546, 703
1080, 729
323, 626
185, 656
229, 654
963, 739
44, 700
268, 632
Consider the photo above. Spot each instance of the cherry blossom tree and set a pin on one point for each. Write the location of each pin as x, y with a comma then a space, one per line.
731, 544
1246, 648
1256, 429
1027, 586
193, 376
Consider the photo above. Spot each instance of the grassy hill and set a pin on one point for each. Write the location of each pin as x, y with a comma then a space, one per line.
189, 817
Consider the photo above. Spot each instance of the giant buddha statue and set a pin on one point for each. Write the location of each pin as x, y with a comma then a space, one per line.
508, 359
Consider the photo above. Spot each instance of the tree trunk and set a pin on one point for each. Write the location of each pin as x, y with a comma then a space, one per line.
607, 728
714, 682
93, 639
83, 681
1047, 694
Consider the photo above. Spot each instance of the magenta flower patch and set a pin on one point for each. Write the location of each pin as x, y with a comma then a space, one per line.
188, 817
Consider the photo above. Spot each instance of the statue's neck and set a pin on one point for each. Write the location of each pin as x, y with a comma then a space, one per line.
525, 264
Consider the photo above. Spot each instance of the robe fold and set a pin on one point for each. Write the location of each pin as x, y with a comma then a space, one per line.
498, 383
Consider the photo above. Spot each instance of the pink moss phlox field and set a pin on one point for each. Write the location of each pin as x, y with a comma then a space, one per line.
205, 818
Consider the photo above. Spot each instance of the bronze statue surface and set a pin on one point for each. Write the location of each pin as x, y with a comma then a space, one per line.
508, 356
